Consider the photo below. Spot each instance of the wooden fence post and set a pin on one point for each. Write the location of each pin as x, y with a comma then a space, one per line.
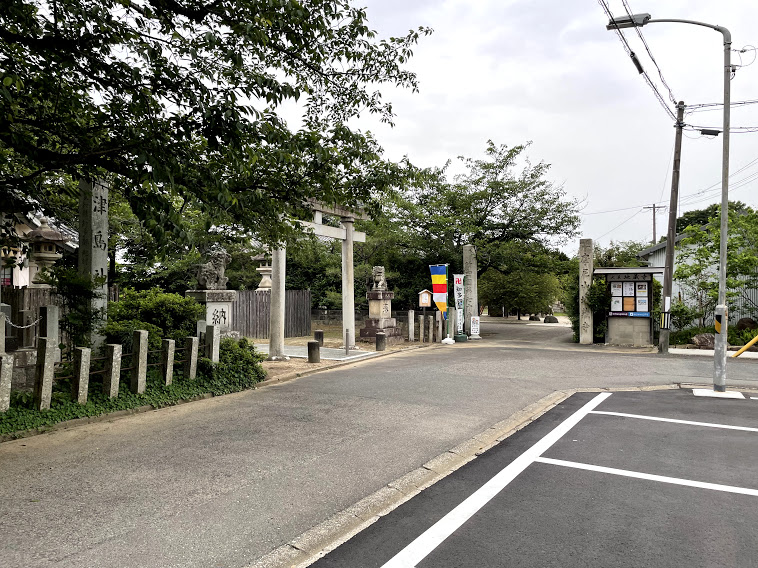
167, 360
112, 369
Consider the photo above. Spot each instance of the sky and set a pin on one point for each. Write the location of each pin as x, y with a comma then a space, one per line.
547, 71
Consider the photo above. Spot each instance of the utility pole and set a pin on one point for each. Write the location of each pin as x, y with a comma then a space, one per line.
653, 207
668, 270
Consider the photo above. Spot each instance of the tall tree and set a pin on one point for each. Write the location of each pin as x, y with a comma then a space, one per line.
177, 101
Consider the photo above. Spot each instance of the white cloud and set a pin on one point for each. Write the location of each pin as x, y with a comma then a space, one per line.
548, 71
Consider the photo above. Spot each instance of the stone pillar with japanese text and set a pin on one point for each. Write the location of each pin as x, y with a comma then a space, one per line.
470, 288
586, 255
93, 239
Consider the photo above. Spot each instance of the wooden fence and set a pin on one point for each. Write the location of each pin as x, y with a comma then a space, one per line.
251, 312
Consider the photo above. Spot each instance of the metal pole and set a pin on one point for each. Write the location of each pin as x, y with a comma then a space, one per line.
668, 270
719, 354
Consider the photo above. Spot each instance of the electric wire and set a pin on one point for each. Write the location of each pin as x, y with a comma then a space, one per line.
650, 53
629, 52
620, 224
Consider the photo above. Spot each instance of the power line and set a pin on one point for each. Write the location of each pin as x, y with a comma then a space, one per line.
650, 53
630, 53
620, 224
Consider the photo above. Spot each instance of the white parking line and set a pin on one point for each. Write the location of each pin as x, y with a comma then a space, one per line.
675, 421
435, 535
651, 477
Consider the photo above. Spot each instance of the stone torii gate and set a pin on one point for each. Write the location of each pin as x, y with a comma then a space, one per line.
348, 235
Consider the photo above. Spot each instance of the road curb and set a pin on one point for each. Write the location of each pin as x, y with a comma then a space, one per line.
305, 549
286, 377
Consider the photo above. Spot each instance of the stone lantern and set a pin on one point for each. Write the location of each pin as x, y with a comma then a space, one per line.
265, 271
45, 249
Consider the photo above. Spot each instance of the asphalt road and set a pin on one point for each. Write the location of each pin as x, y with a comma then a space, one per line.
223, 482
643, 479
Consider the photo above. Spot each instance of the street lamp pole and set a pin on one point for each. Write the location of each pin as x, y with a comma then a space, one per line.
719, 356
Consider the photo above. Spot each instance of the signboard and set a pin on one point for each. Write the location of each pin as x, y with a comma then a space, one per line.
425, 299
474, 325
458, 320
458, 292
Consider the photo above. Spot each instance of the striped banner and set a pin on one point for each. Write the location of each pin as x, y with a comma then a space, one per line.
439, 287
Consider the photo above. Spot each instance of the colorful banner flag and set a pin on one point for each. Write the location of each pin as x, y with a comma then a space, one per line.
439, 286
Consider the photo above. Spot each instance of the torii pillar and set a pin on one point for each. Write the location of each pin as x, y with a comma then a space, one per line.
348, 284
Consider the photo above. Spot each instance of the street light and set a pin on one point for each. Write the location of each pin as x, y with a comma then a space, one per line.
719, 356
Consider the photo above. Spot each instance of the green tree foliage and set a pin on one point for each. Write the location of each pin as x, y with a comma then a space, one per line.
503, 204
76, 293
178, 102
700, 217
698, 263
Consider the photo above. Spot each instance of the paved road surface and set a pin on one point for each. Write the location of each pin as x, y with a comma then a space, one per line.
623, 479
223, 482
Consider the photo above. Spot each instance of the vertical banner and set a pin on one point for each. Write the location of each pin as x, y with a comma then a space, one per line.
458, 295
474, 325
439, 287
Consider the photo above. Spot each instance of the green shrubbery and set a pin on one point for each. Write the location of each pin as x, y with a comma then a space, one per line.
238, 369
162, 315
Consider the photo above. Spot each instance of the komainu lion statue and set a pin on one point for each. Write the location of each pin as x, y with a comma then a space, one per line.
210, 275
380, 282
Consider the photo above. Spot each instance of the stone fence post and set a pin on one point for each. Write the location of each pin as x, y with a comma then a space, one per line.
212, 342
6, 376
421, 323
190, 361
411, 329
112, 374
430, 327
167, 360
139, 362
43, 380
80, 384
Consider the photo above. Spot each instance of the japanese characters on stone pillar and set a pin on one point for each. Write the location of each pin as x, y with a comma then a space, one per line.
470, 289
93, 237
586, 255
212, 293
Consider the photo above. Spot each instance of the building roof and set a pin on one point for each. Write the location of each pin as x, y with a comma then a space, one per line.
629, 270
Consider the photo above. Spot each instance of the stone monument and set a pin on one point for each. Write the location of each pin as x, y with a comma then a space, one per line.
380, 311
212, 292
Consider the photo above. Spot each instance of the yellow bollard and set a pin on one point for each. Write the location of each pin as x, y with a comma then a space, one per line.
746, 347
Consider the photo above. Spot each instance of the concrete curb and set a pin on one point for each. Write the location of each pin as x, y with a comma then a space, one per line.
297, 374
304, 550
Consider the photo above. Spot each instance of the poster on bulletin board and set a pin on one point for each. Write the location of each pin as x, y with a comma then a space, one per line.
642, 304
629, 305
616, 304
616, 289
628, 288
641, 288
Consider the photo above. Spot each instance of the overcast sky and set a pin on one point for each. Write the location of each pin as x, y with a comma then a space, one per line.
547, 71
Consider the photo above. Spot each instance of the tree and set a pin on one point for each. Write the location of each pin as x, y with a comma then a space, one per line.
700, 217
176, 103
490, 205
698, 262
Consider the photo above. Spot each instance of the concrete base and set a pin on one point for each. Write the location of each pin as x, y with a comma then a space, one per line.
460, 337
636, 332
